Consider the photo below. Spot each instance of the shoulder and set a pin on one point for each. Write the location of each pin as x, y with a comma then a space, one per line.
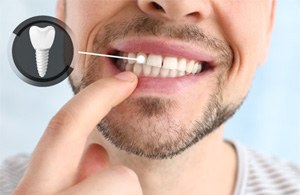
270, 175
11, 172
262, 174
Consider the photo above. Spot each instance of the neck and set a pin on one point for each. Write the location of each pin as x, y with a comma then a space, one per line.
195, 171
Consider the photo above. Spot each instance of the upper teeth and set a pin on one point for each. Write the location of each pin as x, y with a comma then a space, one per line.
157, 65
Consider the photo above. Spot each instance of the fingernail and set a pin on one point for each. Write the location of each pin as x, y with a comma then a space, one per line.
126, 76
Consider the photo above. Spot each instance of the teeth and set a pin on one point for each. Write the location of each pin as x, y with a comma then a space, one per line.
182, 64
199, 69
173, 73
181, 73
131, 55
170, 63
129, 67
137, 69
190, 66
159, 66
164, 72
155, 71
146, 70
195, 68
143, 55
154, 60
42, 38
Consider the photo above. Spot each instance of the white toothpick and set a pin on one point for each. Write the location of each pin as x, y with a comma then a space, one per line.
140, 59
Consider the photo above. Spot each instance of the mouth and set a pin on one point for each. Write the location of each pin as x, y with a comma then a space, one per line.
169, 66
162, 60
160, 66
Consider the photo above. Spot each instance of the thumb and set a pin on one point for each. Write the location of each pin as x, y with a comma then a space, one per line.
95, 159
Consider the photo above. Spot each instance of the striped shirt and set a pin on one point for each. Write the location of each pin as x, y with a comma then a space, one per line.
257, 174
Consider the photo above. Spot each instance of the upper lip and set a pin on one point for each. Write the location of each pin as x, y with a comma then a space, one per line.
162, 46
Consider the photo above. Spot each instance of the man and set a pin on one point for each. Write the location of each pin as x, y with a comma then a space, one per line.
160, 132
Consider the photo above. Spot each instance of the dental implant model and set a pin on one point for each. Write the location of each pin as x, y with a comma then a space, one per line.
42, 40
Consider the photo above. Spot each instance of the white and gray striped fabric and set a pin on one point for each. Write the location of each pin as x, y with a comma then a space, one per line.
257, 174
263, 175
11, 172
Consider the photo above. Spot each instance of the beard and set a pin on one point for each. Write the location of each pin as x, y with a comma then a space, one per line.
154, 133
146, 126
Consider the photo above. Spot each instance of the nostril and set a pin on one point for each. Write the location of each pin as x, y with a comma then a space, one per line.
157, 7
194, 16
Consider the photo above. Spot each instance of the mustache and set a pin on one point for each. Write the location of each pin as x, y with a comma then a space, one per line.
146, 26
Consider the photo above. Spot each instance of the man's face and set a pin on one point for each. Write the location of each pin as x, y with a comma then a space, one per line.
201, 56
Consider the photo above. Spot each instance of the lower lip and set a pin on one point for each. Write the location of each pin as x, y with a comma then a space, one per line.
165, 85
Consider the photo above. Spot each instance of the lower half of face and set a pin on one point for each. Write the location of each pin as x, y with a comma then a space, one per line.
156, 126
182, 91
165, 115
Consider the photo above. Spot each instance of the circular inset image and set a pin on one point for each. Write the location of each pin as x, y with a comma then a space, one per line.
41, 51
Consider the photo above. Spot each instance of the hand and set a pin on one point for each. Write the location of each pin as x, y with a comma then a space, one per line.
59, 164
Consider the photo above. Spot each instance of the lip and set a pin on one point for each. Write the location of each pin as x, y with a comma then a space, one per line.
164, 47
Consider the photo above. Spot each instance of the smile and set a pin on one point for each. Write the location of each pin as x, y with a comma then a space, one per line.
163, 59
170, 66
160, 66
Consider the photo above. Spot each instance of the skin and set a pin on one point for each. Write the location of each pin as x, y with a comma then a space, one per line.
244, 26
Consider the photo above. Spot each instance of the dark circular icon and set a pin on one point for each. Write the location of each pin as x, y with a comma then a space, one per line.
41, 51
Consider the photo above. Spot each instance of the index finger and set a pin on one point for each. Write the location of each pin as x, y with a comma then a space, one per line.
55, 160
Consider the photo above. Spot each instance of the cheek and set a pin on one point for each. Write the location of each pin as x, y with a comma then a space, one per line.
85, 18
82, 17
244, 26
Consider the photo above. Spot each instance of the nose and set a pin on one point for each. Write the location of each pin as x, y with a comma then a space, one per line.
177, 10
